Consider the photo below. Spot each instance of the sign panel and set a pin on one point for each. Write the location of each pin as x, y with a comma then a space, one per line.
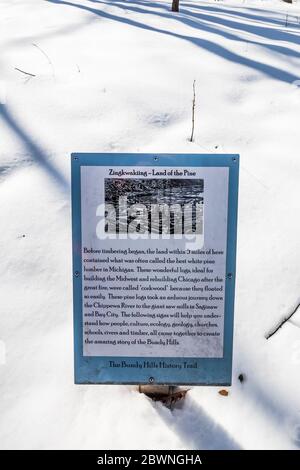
154, 241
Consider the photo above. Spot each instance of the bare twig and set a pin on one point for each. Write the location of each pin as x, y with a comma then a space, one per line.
283, 322
45, 55
26, 73
193, 111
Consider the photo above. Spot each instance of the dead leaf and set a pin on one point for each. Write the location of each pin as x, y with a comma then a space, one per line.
223, 392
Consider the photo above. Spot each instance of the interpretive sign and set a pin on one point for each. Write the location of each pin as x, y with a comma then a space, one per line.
154, 242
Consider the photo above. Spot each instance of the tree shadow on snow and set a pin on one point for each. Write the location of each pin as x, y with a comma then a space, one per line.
195, 428
33, 149
208, 23
212, 24
62, 31
199, 431
247, 14
269, 402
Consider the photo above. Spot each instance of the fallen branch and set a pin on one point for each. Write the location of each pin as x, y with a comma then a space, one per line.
26, 73
283, 322
47, 57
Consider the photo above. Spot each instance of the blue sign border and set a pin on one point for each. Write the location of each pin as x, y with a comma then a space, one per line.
209, 371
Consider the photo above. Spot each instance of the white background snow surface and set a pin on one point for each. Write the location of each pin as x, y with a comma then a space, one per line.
116, 76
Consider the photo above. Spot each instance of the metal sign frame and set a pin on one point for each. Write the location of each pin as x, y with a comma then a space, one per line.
210, 371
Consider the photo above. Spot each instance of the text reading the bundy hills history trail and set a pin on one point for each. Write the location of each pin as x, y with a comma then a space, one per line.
160, 292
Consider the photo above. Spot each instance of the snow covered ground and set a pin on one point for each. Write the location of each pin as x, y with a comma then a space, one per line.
116, 76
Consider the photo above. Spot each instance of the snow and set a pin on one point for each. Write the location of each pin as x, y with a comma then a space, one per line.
116, 76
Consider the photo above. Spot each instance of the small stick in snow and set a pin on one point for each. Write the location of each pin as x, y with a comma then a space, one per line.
26, 73
283, 322
47, 57
193, 111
